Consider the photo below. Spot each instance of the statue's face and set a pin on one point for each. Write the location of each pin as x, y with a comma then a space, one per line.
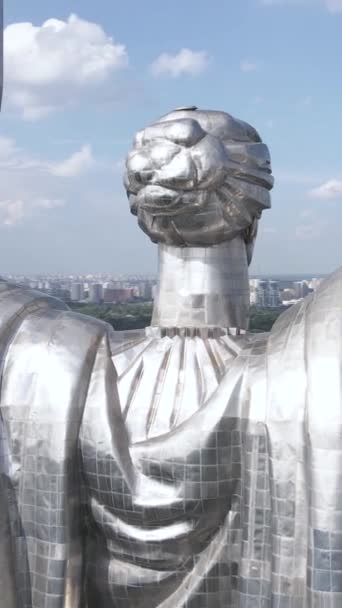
198, 178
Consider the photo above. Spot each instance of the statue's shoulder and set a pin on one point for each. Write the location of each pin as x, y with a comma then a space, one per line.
41, 338
43, 315
16, 302
329, 294
316, 317
325, 302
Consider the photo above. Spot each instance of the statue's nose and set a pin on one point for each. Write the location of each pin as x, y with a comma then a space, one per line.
144, 177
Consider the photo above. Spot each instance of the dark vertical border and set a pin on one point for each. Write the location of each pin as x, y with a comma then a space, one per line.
1, 48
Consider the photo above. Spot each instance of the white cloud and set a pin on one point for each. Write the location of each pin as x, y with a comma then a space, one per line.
15, 159
333, 6
75, 165
13, 211
32, 185
329, 190
57, 64
7, 148
48, 203
184, 62
248, 66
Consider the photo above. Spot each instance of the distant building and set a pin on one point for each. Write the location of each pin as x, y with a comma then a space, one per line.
108, 294
264, 293
77, 292
117, 295
253, 286
274, 294
135, 291
301, 289
95, 293
145, 290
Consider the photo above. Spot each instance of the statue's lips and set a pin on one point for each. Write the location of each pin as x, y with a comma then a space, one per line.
157, 196
159, 200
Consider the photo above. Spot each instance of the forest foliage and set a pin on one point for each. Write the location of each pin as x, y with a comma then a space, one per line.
138, 315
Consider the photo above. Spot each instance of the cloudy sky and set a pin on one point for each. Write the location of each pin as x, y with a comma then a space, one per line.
82, 76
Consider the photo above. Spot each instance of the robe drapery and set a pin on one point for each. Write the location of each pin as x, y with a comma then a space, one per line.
236, 503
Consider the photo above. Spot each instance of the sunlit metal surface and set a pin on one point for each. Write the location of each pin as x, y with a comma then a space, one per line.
198, 182
188, 465
203, 286
198, 178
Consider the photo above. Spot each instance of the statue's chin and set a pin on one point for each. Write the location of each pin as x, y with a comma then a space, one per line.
186, 230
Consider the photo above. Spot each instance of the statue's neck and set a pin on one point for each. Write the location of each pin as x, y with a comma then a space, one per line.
203, 286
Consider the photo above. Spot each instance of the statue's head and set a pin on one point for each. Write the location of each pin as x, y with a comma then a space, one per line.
198, 178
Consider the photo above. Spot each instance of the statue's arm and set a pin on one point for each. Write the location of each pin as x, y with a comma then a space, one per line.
58, 398
48, 359
8, 596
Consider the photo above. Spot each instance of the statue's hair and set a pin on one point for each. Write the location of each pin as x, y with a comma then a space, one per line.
198, 178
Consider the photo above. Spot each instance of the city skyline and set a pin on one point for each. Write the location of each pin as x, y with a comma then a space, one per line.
68, 124
105, 289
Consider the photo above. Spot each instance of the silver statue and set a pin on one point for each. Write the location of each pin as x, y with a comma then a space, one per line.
189, 465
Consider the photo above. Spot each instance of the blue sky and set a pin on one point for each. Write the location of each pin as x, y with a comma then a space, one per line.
79, 86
